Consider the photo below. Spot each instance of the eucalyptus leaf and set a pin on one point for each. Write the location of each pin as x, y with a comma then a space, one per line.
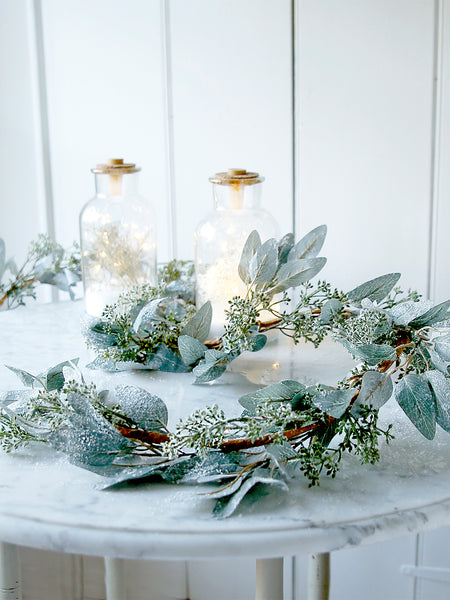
376, 389
12, 396
148, 411
333, 402
404, 313
164, 359
437, 361
257, 342
210, 369
310, 245
434, 315
54, 377
372, 354
191, 350
441, 390
198, 327
415, 398
148, 315
442, 347
376, 289
169, 470
97, 333
295, 272
275, 392
330, 309
263, 264
26, 378
250, 249
284, 247
216, 465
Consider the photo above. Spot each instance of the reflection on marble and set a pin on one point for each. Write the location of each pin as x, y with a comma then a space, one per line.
47, 503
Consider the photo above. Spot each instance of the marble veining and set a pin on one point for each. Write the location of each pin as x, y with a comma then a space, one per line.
45, 502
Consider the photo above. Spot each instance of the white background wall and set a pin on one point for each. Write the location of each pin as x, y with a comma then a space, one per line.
344, 107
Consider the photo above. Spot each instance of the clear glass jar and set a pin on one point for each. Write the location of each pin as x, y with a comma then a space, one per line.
118, 236
220, 238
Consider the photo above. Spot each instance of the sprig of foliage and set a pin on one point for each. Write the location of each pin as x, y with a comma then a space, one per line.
46, 262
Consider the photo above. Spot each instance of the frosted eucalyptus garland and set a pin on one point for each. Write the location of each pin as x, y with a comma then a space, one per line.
401, 343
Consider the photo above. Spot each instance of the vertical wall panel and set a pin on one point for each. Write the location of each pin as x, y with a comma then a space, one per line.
232, 102
104, 75
441, 288
364, 87
21, 217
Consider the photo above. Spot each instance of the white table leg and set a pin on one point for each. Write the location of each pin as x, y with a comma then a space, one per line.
115, 579
269, 579
10, 588
319, 576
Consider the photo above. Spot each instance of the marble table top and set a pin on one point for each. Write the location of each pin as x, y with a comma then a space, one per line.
45, 502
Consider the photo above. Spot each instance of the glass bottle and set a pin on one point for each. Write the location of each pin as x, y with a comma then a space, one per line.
220, 238
118, 236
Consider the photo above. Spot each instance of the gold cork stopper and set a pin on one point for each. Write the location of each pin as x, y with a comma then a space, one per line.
116, 166
236, 176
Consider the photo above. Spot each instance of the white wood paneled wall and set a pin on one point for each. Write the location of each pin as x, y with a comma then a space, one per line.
344, 107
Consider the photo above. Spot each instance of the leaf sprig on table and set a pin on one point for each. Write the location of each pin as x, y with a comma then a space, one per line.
401, 344
46, 262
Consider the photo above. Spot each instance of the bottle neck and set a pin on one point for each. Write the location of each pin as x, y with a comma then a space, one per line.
237, 196
125, 184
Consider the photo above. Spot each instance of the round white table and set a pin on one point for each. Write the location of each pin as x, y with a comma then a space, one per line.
47, 503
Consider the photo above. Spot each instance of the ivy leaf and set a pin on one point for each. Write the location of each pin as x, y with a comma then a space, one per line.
310, 245
263, 264
376, 289
191, 350
333, 402
147, 410
404, 313
442, 347
372, 354
295, 272
284, 247
415, 398
330, 308
276, 392
198, 327
54, 377
441, 391
250, 248
376, 389
434, 315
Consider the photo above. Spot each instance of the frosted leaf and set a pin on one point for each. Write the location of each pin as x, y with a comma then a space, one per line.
147, 410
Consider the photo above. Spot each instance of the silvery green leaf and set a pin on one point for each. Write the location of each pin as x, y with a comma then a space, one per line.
372, 354
281, 455
415, 398
257, 343
436, 361
442, 347
169, 470
275, 392
310, 245
148, 315
198, 327
376, 389
441, 390
147, 410
206, 372
96, 332
26, 378
216, 465
226, 507
402, 314
333, 402
164, 359
330, 309
263, 264
120, 476
250, 248
295, 272
284, 247
54, 377
227, 489
434, 315
2, 257
376, 289
8, 398
191, 350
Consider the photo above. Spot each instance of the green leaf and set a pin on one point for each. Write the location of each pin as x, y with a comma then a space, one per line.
147, 410
434, 315
415, 398
263, 264
436, 361
310, 245
206, 372
284, 247
191, 350
441, 390
333, 402
404, 313
372, 354
442, 347
376, 389
295, 272
376, 289
330, 308
258, 342
26, 378
198, 327
164, 359
55, 377
276, 392
250, 248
